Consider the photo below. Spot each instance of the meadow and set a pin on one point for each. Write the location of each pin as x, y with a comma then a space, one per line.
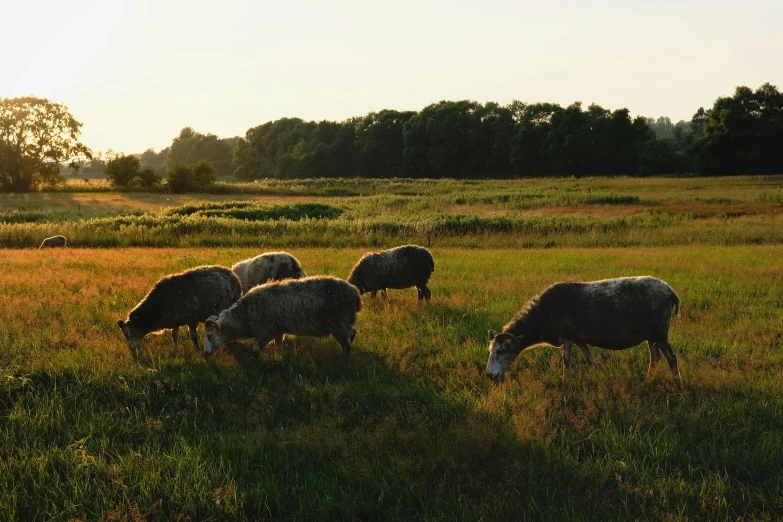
539, 213
411, 429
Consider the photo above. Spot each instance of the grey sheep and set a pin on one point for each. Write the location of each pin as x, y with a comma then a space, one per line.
271, 265
400, 267
54, 242
614, 314
315, 306
187, 298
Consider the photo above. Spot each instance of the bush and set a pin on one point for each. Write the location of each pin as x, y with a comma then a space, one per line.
148, 178
179, 178
183, 178
123, 170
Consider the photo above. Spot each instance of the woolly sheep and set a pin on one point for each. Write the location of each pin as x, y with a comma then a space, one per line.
400, 267
271, 265
54, 242
615, 314
187, 298
314, 306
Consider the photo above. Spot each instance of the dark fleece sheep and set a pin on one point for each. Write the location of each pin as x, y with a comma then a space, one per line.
271, 265
54, 242
614, 314
314, 306
187, 298
400, 267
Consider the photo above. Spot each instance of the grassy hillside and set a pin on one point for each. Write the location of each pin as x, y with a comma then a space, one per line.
412, 429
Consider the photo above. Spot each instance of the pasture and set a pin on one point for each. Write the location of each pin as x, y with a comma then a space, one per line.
411, 428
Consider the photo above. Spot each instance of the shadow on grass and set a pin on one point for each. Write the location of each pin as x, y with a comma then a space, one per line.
234, 437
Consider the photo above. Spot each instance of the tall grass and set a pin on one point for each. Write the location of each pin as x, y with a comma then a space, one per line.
412, 429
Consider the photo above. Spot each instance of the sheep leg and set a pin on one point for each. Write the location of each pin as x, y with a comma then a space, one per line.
344, 336
192, 328
373, 293
588, 356
353, 333
655, 356
425, 292
175, 337
259, 345
383, 292
672, 360
280, 342
567, 345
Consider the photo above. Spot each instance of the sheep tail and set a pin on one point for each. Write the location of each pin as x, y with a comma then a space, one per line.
676, 303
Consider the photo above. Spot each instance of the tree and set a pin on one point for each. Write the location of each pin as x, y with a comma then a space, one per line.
155, 161
148, 178
184, 178
123, 170
36, 136
191, 146
741, 134
379, 144
179, 178
204, 175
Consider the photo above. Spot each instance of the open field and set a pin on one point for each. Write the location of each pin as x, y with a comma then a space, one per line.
412, 429
591, 212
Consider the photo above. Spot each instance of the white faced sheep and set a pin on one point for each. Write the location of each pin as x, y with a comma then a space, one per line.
614, 314
315, 306
187, 298
400, 267
54, 242
271, 265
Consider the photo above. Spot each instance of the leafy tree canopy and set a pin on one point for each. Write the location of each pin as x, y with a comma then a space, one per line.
36, 136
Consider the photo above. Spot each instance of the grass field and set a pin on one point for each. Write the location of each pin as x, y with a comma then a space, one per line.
591, 212
412, 429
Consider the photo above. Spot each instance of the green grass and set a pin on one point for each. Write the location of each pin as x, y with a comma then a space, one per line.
412, 429
593, 212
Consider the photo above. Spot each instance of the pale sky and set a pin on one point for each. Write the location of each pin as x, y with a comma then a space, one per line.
136, 72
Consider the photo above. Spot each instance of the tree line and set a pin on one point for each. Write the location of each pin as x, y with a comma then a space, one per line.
740, 134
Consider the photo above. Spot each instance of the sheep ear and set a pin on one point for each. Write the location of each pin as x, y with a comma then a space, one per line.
212, 324
121, 323
492, 335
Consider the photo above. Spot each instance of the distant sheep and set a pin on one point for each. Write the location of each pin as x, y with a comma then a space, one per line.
54, 242
187, 298
314, 306
272, 265
614, 314
400, 267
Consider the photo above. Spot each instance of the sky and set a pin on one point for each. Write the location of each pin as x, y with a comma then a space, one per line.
136, 72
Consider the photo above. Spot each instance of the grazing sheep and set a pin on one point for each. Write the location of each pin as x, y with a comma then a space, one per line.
614, 314
187, 298
400, 267
315, 306
54, 242
272, 265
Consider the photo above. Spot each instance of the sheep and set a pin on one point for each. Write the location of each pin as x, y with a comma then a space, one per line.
315, 306
271, 265
187, 298
615, 314
400, 267
54, 242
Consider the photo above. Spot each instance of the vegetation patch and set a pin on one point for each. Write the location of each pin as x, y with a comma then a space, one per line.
252, 211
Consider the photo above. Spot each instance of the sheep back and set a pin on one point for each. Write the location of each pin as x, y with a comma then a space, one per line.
397, 268
315, 306
54, 242
186, 298
271, 265
612, 313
